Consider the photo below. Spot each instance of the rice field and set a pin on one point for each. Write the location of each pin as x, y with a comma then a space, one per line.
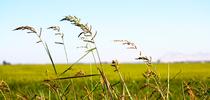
129, 71
29, 79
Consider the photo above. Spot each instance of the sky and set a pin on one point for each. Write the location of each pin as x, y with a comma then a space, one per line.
177, 30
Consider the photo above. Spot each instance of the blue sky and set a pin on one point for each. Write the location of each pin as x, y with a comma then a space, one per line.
164, 29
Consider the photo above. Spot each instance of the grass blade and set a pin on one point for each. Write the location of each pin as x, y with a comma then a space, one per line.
59, 43
67, 90
74, 63
48, 52
71, 77
92, 90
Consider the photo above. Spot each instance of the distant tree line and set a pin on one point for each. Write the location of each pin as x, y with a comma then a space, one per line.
5, 63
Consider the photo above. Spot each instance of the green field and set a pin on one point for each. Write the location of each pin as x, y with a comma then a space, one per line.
130, 71
28, 79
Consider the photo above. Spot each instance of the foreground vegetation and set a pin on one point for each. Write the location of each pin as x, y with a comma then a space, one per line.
28, 80
101, 81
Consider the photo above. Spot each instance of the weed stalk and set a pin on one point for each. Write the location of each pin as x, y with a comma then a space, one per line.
32, 30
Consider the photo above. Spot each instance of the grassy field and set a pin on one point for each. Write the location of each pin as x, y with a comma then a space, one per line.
130, 71
29, 78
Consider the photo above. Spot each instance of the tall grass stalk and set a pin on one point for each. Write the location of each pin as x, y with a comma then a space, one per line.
149, 74
125, 85
168, 85
182, 89
61, 34
88, 37
103, 76
91, 69
3, 94
116, 66
32, 30
94, 88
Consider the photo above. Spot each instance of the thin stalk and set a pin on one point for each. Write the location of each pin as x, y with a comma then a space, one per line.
32, 30
49, 54
91, 91
75, 21
49, 94
147, 88
74, 92
123, 93
67, 62
91, 69
147, 81
102, 73
3, 95
94, 58
183, 91
99, 58
107, 84
48, 77
91, 72
64, 47
57, 94
47, 50
167, 95
75, 63
159, 89
124, 85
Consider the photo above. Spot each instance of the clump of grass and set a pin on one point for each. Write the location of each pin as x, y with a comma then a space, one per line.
153, 80
190, 91
4, 89
153, 84
196, 90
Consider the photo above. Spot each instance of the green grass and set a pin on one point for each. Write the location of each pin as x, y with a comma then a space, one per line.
29, 78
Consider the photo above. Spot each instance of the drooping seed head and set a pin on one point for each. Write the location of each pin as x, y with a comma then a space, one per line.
29, 28
55, 28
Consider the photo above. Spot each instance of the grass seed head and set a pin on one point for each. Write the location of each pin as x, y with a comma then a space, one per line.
80, 73
115, 65
55, 28
130, 45
4, 86
29, 28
